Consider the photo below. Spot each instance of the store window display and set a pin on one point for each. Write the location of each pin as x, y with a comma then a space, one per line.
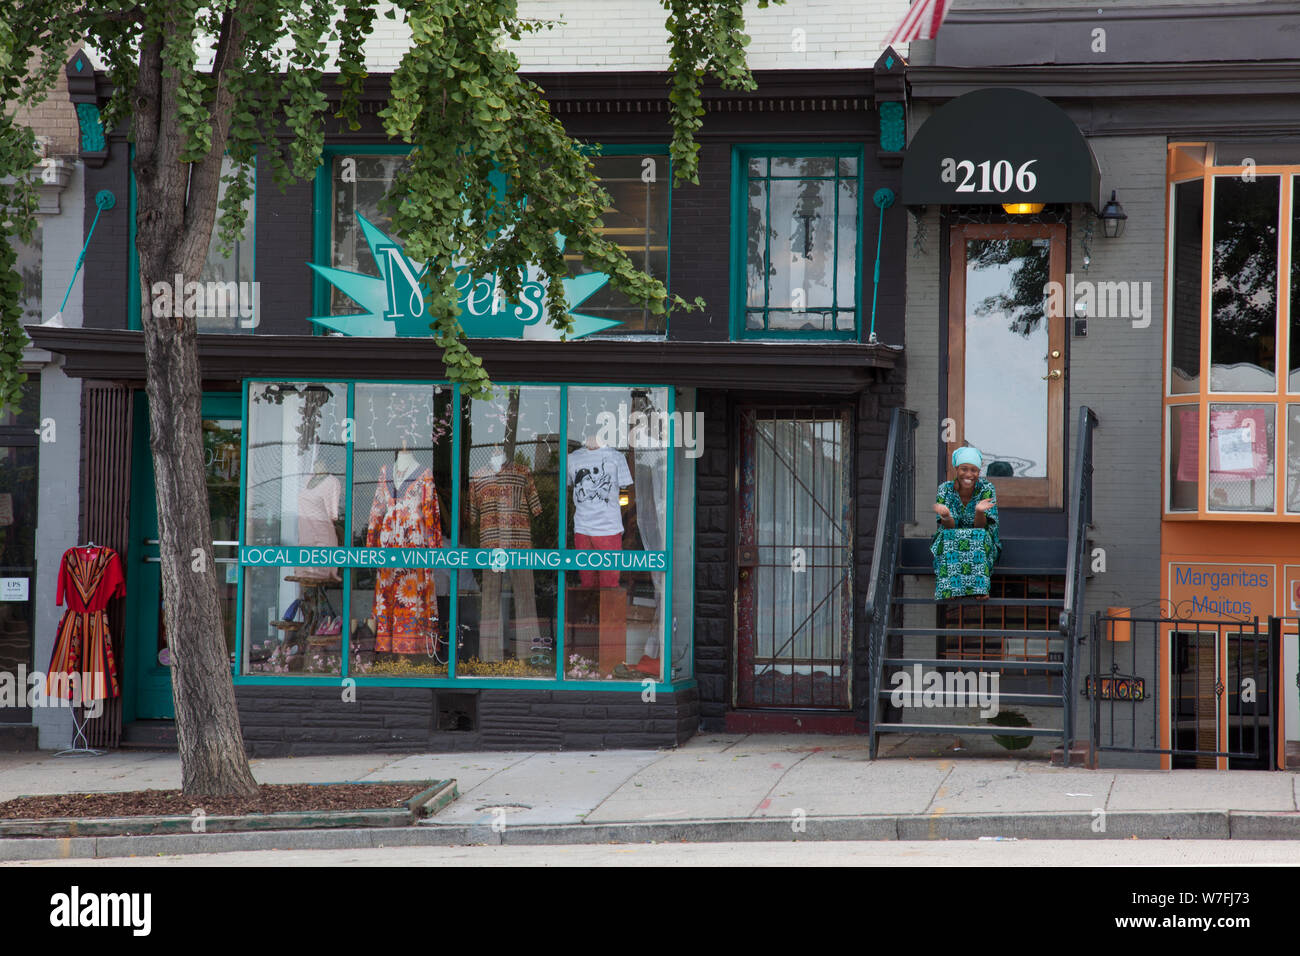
616, 473
401, 465
296, 462
368, 505
510, 446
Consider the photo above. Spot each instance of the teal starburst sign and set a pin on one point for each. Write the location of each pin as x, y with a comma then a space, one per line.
394, 302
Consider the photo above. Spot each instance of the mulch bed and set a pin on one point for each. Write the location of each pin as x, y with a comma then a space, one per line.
273, 798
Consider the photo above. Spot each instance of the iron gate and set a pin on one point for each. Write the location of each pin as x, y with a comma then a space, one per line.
1197, 691
794, 557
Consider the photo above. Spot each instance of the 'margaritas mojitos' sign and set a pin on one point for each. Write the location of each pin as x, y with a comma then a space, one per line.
394, 302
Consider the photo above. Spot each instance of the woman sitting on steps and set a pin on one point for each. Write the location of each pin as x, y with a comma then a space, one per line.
966, 543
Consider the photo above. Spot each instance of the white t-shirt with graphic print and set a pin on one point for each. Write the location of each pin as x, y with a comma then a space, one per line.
596, 477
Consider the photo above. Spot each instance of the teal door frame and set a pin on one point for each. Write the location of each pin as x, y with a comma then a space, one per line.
147, 692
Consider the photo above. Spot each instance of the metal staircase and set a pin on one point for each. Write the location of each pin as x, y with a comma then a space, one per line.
892, 646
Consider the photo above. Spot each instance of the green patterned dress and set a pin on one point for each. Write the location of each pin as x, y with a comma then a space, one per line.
964, 555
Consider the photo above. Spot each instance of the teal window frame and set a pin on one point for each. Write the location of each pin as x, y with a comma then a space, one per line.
133, 256
740, 156
323, 212
665, 684
658, 151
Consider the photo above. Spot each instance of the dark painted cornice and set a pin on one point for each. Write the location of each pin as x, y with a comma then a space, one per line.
1113, 80
1135, 11
829, 367
646, 91
1135, 32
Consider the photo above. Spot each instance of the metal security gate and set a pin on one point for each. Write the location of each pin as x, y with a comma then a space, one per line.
1203, 693
794, 558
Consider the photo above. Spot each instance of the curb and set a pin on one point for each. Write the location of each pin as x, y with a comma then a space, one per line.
1120, 825
433, 796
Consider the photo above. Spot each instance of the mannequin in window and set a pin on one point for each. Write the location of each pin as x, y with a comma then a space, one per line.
318, 510
597, 472
502, 503
405, 514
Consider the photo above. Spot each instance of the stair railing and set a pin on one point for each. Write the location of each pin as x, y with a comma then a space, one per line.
897, 508
1076, 567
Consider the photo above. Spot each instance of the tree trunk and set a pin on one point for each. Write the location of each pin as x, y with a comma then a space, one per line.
213, 762
176, 208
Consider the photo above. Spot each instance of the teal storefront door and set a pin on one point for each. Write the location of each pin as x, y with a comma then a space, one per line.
150, 696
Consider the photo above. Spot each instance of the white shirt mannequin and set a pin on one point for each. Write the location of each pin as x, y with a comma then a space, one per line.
497, 460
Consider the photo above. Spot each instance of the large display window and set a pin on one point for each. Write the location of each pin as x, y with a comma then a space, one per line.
544, 510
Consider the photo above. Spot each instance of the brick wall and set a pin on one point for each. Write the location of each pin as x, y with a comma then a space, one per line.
55, 118
875, 407
106, 266
1117, 371
630, 35
714, 607
297, 721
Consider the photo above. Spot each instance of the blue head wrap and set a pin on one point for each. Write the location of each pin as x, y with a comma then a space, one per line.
967, 455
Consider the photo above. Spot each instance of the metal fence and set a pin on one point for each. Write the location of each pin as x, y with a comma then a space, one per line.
1197, 691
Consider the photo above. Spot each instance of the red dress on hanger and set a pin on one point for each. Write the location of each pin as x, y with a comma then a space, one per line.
89, 578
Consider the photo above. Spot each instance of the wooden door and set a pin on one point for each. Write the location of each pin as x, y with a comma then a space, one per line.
1006, 356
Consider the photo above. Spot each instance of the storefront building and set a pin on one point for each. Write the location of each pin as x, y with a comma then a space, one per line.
1176, 333
663, 524
39, 450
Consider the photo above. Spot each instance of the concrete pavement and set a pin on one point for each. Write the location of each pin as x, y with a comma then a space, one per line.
719, 787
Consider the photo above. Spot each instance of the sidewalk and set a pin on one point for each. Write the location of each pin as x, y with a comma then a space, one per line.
716, 787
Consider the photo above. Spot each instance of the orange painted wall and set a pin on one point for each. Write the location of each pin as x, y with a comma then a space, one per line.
1249, 547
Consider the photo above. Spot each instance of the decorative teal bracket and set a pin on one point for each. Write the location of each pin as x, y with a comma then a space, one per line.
88, 91
92, 130
891, 126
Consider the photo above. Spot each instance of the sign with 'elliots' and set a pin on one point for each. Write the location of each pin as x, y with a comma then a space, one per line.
394, 302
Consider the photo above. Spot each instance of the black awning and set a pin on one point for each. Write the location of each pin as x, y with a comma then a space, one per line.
999, 146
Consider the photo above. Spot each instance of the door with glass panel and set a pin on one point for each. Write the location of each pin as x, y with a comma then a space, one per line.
150, 657
794, 557
19, 491
1006, 356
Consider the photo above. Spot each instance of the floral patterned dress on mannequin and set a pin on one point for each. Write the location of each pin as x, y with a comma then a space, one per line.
405, 514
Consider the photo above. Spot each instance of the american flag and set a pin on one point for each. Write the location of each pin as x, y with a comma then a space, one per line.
921, 22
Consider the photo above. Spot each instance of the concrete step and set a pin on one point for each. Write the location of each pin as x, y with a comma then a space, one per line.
975, 665
1032, 556
17, 737
149, 735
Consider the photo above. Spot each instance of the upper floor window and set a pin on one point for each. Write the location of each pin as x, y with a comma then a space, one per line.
227, 298
355, 180
236, 265
798, 226
1233, 379
358, 181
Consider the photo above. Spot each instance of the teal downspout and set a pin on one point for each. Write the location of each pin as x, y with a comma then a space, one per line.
883, 199
104, 200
